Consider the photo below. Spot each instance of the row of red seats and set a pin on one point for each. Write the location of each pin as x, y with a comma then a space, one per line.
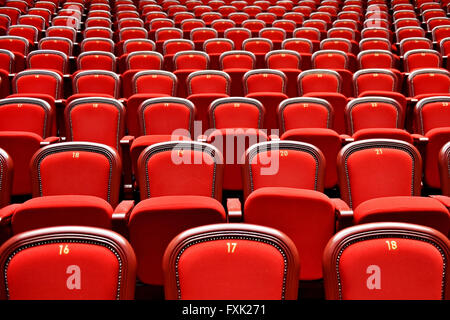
380, 180
309, 119
194, 267
180, 182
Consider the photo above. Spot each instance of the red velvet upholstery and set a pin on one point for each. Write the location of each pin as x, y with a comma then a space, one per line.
289, 62
49, 60
377, 168
383, 133
186, 62
387, 261
431, 113
57, 43
236, 112
421, 59
6, 174
269, 87
100, 120
277, 163
165, 115
236, 121
203, 88
24, 124
38, 81
325, 84
158, 220
437, 138
81, 168
42, 212
373, 112
90, 82
428, 82
418, 210
305, 112
306, 216
67, 263
327, 141
145, 85
236, 63
211, 262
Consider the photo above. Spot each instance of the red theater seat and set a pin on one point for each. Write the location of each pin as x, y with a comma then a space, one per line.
433, 122
204, 87
310, 120
269, 87
236, 63
25, 123
236, 122
376, 168
48, 59
145, 85
325, 84
393, 268
216, 267
96, 119
96, 264
181, 188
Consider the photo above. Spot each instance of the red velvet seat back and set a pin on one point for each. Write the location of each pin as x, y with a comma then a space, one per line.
96, 82
444, 165
373, 112
329, 59
180, 168
386, 261
429, 81
264, 80
314, 81
67, 264
144, 60
96, 60
100, 120
236, 112
159, 116
48, 59
157, 81
305, 112
211, 262
374, 80
431, 113
26, 114
277, 163
209, 81
377, 168
38, 81
81, 168
191, 60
